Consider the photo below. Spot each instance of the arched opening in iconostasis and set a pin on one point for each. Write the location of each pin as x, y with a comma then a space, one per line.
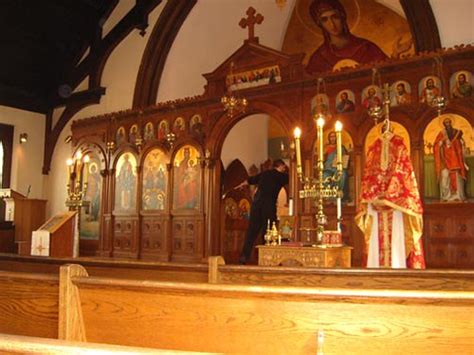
87, 173
448, 159
249, 148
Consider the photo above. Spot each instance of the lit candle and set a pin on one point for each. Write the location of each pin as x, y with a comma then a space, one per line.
69, 167
297, 134
320, 124
338, 129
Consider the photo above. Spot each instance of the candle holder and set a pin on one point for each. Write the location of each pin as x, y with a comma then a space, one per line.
77, 182
320, 187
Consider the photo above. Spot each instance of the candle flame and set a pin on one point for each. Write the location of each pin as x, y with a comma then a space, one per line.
338, 126
320, 121
297, 132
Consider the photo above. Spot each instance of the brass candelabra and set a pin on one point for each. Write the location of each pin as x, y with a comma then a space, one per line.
77, 168
319, 187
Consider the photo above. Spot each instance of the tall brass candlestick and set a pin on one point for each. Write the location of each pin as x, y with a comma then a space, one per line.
297, 135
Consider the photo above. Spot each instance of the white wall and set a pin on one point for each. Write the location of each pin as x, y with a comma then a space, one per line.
247, 141
210, 34
27, 159
455, 19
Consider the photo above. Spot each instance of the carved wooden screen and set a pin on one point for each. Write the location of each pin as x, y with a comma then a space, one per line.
154, 203
125, 229
90, 217
187, 214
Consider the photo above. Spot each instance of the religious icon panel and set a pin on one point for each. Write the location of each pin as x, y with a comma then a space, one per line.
120, 136
149, 133
155, 181
163, 130
448, 159
90, 218
400, 93
187, 179
460, 84
369, 30
429, 88
345, 101
125, 182
371, 96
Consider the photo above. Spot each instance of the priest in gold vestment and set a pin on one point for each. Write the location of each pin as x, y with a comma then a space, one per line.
391, 213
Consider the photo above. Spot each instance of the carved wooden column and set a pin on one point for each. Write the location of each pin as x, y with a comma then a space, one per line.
106, 225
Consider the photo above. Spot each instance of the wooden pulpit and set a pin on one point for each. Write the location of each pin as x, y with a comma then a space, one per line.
57, 237
27, 214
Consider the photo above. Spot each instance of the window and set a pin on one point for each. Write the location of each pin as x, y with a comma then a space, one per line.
1, 163
6, 151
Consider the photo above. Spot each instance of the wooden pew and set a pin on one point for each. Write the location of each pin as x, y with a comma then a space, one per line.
386, 279
29, 304
14, 344
263, 319
129, 269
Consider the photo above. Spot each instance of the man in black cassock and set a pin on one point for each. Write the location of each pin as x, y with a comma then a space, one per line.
269, 184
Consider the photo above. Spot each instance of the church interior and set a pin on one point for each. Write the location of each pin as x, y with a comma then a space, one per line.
129, 128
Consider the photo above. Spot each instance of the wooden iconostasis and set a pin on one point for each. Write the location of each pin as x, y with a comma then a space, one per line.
158, 199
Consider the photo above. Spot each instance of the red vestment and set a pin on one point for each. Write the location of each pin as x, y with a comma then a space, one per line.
389, 185
358, 49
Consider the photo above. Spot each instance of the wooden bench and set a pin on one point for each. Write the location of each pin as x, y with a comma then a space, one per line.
386, 279
14, 344
129, 269
268, 319
29, 304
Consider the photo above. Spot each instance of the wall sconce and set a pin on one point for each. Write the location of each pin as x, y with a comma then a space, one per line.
23, 138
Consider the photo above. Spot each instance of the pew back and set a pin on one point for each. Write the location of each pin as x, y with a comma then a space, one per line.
129, 269
252, 319
14, 344
385, 279
29, 304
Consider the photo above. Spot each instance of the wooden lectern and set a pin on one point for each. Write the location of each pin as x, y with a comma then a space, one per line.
57, 237
27, 214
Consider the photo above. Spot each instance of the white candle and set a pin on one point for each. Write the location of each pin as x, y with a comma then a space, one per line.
338, 129
290, 207
297, 135
320, 124
69, 163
